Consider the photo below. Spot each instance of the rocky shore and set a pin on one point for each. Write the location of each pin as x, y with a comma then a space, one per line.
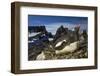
44, 49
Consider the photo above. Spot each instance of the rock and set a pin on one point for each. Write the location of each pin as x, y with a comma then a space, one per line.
61, 31
84, 34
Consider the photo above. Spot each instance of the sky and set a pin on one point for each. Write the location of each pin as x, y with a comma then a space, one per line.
53, 22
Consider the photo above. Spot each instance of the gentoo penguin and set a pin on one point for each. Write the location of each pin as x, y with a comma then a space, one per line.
68, 48
41, 56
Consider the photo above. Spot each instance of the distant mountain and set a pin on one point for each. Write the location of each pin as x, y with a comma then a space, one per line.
61, 31
61, 34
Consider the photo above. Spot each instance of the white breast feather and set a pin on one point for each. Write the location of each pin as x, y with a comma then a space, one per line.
69, 48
